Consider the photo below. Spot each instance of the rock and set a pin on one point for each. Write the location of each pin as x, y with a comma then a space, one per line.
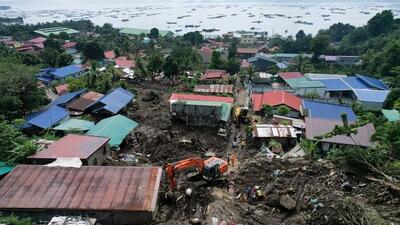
273, 200
287, 202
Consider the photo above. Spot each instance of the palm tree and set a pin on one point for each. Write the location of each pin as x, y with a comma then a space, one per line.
309, 147
141, 71
388, 136
302, 64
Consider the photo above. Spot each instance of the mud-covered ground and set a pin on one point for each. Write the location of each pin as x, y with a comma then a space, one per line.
295, 191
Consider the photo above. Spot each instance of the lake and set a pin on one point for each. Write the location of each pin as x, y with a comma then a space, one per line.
284, 17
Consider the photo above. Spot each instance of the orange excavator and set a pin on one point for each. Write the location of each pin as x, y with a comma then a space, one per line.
210, 169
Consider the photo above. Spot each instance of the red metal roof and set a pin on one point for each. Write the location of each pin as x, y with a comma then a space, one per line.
214, 88
246, 50
124, 62
317, 127
206, 50
177, 97
72, 146
109, 55
62, 89
214, 74
69, 44
290, 75
37, 40
84, 101
25, 48
275, 98
89, 188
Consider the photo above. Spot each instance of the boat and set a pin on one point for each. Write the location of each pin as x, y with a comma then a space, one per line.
179, 30
171, 23
125, 20
257, 21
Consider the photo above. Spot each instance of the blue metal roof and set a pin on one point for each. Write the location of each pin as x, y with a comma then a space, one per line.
335, 85
116, 100
356, 83
47, 117
373, 82
371, 95
66, 71
64, 99
328, 111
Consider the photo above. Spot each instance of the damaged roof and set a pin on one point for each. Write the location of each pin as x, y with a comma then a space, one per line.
90, 188
272, 130
317, 127
182, 97
72, 146
115, 101
85, 101
214, 88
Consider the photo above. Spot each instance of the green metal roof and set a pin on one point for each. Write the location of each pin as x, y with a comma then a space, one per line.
303, 82
4, 169
75, 124
226, 108
55, 30
116, 128
138, 31
391, 115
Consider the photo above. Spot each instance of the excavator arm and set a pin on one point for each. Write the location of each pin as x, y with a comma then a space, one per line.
172, 168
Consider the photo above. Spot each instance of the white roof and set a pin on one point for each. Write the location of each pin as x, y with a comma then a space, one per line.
271, 130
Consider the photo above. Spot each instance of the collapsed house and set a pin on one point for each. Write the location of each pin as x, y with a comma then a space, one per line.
111, 195
201, 110
286, 135
113, 102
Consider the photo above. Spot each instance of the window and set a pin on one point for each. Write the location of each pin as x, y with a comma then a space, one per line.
104, 151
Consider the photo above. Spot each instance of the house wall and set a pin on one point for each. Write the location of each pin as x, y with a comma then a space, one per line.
197, 115
98, 158
247, 39
304, 91
374, 106
245, 55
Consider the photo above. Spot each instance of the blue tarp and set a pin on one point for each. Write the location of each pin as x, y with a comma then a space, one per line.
356, 83
374, 82
335, 85
115, 101
47, 117
64, 99
328, 111
371, 95
66, 71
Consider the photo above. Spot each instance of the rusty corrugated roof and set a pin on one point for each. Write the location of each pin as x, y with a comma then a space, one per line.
85, 101
214, 88
72, 146
91, 188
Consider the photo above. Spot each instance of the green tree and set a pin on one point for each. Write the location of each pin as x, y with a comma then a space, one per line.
194, 38
283, 110
310, 148
154, 33
66, 59
381, 23
171, 68
93, 50
216, 62
155, 63
319, 45
388, 136
18, 90
140, 70
232, 66
267, 110
50, 57
302, 64
53, 43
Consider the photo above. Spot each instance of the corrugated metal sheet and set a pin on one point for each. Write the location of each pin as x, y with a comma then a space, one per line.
275, 98
75, 124
108, 188
335, 85
391, 115
317, 127
371, 95
214, 74
85, 101
271, 131
72, 146
66, 98
328, 111
48, 117
115, 101
116, 128
289, 75
67, 71
373, 82
214, 88
184, 97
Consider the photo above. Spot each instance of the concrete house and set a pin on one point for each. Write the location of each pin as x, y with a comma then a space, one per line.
91, 150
